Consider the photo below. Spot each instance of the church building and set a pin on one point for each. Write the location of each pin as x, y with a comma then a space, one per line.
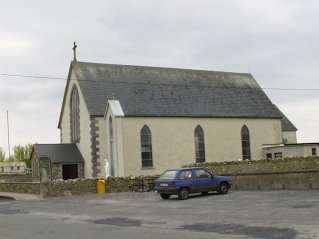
141, 120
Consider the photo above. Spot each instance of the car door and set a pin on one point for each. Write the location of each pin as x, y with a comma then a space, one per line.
203, 180
186, 179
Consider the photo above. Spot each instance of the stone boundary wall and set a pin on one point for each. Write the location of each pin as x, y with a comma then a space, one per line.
51, 188
16, 177
73, 187
289, 173
284, 165
69, 187
20, 187
128, 184
277, 181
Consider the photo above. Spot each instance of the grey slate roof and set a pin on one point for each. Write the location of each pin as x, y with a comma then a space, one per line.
155, 91
286, 124
59, 153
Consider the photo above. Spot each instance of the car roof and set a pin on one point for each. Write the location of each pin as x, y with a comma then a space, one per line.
179, 169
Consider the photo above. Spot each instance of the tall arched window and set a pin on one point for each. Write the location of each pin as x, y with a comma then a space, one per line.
245, 143
146, 147
199, 145
75, 116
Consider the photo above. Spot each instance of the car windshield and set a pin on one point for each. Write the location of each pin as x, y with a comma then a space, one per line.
168, 174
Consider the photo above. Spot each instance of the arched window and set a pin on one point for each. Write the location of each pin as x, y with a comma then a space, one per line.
75, 116
245, 143
199, 145
111, 129
146, 147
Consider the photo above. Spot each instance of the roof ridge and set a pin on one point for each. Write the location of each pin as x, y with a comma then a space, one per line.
160, 67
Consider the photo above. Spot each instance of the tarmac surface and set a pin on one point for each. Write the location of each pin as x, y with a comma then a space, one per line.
18, 196
239, 214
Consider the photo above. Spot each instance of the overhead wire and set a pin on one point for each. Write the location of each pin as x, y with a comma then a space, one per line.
122, 82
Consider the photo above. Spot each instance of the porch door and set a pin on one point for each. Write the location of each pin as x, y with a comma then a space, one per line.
70, 171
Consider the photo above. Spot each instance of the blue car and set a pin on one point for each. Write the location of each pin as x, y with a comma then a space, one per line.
185, 181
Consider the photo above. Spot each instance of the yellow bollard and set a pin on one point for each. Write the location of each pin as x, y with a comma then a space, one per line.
100, 185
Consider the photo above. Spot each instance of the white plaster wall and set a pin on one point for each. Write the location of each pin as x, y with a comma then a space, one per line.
118, 145
291, 137
307, 149
174, 146
65, 130
102, 144
85, 141
291, 151
299, 150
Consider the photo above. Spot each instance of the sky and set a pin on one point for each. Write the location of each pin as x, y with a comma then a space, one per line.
277, 41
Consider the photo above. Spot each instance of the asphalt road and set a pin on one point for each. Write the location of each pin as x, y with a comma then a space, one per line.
239, 214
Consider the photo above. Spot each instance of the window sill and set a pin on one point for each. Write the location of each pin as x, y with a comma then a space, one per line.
146, 168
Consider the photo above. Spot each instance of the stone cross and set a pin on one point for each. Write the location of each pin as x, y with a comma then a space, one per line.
74, 51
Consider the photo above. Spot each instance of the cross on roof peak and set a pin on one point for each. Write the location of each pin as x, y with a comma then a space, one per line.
74, 51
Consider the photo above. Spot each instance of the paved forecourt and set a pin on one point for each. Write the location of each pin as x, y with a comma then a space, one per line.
239, 214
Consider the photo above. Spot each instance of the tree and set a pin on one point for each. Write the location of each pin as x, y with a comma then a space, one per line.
19, 152
2, 155
10, 159
22, 153
28, 150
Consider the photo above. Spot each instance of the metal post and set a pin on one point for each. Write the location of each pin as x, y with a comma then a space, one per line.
8, 133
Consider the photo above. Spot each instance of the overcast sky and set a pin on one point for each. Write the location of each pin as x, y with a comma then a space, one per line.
275, 40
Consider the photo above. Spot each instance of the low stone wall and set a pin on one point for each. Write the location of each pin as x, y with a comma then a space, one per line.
128, 184
113, 185
16, 177
261, 166
69, 187
289, 173
270, 181
51, 188
74, 187
20, 187
277, 181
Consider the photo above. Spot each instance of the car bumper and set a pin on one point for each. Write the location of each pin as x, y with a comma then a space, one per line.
167, 190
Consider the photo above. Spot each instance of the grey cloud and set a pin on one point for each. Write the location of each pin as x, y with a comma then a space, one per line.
276, 40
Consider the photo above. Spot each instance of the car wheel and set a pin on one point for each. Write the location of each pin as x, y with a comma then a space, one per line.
183, 193
165, 196
223, 188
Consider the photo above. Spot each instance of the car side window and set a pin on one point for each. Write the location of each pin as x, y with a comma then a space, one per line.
201, 173
186, 175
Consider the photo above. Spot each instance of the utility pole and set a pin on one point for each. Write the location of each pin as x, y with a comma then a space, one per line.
8, 133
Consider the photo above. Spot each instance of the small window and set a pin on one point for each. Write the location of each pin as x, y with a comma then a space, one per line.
314, 151
201, 173
186, 175
269, 156
278, 155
